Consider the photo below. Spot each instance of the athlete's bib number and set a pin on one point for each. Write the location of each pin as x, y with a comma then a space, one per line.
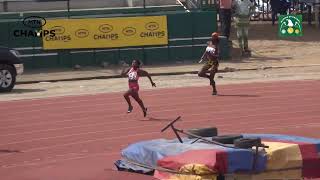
210, 50
133, 76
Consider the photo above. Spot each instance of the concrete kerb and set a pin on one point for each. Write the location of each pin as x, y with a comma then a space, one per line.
225, 70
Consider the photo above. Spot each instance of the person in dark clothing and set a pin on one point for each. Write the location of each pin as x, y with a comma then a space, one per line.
274, 7
279, 6
225, 17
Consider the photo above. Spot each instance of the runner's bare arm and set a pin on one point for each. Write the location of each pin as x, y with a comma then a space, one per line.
217, 53
204, 53
145, 73
124, 71
202, 57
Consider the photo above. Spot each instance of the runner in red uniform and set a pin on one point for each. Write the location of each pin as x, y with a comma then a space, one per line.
133, 73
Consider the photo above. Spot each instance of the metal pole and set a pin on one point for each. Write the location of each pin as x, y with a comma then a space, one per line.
143, 47
68, 4
316, 12
5, 6
309, 15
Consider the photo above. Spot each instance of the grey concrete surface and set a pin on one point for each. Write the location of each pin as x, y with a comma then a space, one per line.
78, 4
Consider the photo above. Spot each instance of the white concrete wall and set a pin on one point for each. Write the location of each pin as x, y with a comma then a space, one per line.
84, 4
79, 4
154, 2
35, 6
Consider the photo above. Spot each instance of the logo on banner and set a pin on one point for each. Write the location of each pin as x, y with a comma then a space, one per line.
290, 25
33, 28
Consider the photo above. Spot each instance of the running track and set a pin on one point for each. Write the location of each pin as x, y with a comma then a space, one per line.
79, 137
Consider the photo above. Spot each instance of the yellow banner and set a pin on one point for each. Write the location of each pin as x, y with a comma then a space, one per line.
106, 32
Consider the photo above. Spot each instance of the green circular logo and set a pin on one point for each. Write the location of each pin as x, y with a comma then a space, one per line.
290, 26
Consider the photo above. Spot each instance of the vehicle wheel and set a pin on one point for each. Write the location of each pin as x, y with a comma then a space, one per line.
7, 78
203, 132
227, 139
247, 143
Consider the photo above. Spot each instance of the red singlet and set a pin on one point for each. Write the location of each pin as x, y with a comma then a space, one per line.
133, 77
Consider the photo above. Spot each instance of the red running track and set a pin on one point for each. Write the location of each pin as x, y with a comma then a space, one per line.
79, 137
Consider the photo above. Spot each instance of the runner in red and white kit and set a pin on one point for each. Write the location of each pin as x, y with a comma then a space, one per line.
133, 73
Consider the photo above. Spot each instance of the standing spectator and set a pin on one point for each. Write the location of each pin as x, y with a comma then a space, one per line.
279, 6
225, 17
275, 6
243, 11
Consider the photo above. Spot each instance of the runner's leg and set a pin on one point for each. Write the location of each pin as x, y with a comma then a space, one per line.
127, 98
135, 95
